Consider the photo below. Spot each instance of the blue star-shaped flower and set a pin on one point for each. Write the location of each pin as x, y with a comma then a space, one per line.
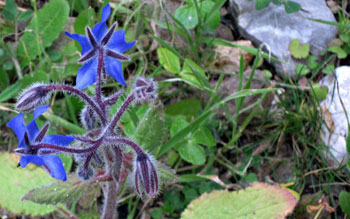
29, 136
101, 51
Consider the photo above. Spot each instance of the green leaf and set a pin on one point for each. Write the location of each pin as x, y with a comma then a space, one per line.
189, 108
4, 82
312, 62
15, 182
193, 126
169, 60
302, 69
320, 92
64, 123
212, 18
277, 2
257, 201
166, 174
348, 143
192, 153
341, 53
85, 18
15, 88
329, 69
190, 76
204, 136
291, 7
10, 11
344, 201
78, 5
187, 16
178, 123
299, 50
44, 28
61, 192
24, 16
261, 4
151, 130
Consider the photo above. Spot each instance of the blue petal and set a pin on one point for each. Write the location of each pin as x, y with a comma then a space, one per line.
60, 140
117, 42
18, 126
83, 40
114, 69
31, 159
87, 74
32, 128
101, 29
55, 166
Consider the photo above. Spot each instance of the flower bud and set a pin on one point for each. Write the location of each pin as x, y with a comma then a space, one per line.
37, 94
145, 89
88, 118
85, 173
145, 174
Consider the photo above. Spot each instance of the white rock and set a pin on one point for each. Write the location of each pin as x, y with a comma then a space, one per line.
334, 115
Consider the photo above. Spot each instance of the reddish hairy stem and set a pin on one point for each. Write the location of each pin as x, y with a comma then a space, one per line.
82, 95
121, 140
120, 112
98, 78
96, 144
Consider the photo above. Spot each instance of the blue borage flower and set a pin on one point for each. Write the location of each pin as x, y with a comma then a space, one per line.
29, 136
101, 45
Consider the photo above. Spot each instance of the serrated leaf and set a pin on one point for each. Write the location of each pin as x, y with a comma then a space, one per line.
341, 53
44, 28
187, 16
299, 50
257, 201
169, 60
15, 182
291, 7
151, 130
60, 192
344, 201
261, 4
192, 153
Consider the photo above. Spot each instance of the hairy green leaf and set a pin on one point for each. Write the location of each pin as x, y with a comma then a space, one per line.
61, 192
151, 130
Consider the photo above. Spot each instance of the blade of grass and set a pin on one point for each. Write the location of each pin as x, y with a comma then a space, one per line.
64, 123
204, 116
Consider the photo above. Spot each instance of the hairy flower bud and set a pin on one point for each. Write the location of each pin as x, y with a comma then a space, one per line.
145, 174
145, 89
88, 118
84, 172
37, 94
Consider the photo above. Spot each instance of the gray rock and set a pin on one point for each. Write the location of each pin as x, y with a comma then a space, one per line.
275, 28
333, 113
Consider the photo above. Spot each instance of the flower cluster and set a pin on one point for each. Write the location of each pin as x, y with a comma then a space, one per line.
101, 148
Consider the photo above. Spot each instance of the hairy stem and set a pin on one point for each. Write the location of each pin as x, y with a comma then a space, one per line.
98, 78
82, 95
111, 198
96, 144
111, 126
121, 140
